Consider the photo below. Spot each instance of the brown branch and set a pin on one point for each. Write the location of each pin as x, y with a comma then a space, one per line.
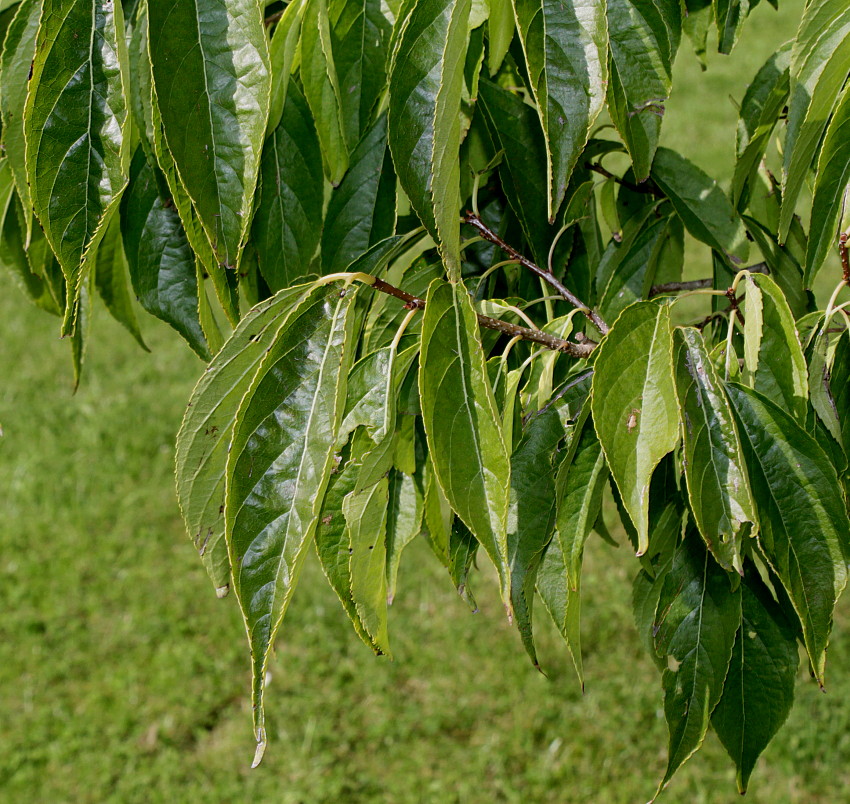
579, 350
488, 234
644, 189
272, 19
845, 259
699, 284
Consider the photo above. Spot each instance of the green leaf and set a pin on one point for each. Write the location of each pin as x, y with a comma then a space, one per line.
360, 35
729, 16
773, 357
321, 88
208, 425
821, 355
110, 278
501, 25
404, 522
839, 383
695, 625
425, 88
644, 37
718, 488
282, 49
759, 687
701, 204
162, 265
566, 54
361, 211
760, 110
462, 423
74, 122
279, 464
803, 522
462, 552
15, 65
288, 220
820, 62
214, 102
634, 404
80, 337
832, 178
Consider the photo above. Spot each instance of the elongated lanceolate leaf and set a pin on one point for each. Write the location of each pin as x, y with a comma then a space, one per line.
361, 211
74, 123
162, 265
759, 687
634, 404
718, 488
212, 81
282, 49
501, 25
644, 37
820, 62
15, 65
833, 176
208, 425
426, 85
695, 625
404, 521
288, 220
566, 53
462, 423
279, 465
803, 521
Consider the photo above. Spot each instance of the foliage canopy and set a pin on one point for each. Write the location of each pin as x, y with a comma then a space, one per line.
432, 256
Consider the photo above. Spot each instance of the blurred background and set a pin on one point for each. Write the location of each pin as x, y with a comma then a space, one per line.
123, 679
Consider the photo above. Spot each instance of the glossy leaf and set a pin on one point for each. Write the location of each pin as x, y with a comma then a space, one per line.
74, 122
288, 220
425, 89
718, 487
214, 102
279, 465
282, 50
566, 54
801, 512
462, 422
634, 404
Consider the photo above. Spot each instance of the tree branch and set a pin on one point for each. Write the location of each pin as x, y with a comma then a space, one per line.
699, 284
579, 350
488, 234
845, 259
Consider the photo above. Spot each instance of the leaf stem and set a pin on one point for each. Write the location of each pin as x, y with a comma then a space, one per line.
488, 234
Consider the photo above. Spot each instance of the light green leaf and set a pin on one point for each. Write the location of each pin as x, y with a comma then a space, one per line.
801, 513
208, 426
820, 62
701, 204
566, 54
695, 625
212, 81
718, 488
361, 211
759, 687
634, 404
282, 48
426, 85
279, 464
288, 221
404, 522
833, 176
74, 121
462, 423
501, 25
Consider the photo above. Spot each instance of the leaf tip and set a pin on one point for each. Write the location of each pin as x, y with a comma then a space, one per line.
260, 751
222, 591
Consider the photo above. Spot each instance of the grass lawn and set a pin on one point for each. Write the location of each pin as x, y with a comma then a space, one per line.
123, 679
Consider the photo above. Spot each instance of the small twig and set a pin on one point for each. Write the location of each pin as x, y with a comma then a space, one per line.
579, 350
488, 234
644, 189
273, 18
734, 301
845, 259
699, 284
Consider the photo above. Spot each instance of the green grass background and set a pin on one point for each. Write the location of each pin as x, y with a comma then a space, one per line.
123, 679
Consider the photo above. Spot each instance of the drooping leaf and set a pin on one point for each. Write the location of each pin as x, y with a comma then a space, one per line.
718, 487
696, 620
426, 84
501, 25
404, 522
729, 16
162, 265
634, 404
288, 220
207, 427
820, 61
802, 518
282, 50
833, 176
759, 687
361, 211
279, 465
462, 423
566, 54
701, 204
74, 125
214, 101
